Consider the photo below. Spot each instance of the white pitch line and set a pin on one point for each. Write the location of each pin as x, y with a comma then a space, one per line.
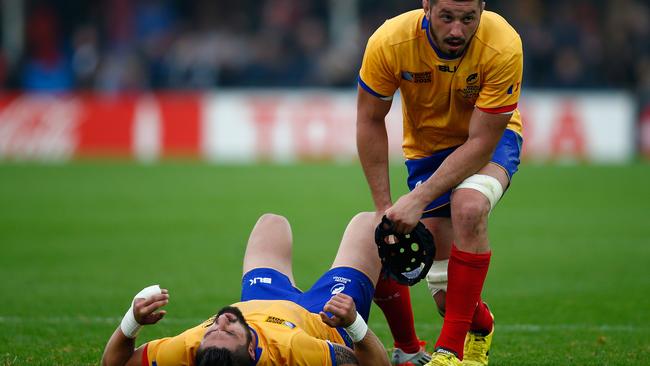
540, 328
80, 320
508, 328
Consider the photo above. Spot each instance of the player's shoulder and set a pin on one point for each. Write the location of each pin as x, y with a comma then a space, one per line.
497, 34
402, 28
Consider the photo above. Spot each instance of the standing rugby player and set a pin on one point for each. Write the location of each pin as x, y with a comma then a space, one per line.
459, 69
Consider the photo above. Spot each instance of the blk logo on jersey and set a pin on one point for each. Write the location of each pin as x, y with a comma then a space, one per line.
447, 68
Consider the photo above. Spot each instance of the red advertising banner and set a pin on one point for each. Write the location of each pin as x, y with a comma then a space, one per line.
104, 126
65, 126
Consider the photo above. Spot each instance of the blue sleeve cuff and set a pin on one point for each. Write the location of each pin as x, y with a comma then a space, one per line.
365, 87
332, 355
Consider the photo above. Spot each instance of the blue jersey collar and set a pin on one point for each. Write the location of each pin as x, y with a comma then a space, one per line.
258, 350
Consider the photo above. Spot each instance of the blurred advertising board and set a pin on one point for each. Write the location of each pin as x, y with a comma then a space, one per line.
282, 126
49, 127
598, 127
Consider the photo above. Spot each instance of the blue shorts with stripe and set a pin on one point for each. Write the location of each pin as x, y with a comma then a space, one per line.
506, 155
270, 284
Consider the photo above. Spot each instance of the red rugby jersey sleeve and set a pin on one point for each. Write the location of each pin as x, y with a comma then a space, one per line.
502, 87
378, 75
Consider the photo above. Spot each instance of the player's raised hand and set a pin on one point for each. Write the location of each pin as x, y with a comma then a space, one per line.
145, 309
343, 311
406, 212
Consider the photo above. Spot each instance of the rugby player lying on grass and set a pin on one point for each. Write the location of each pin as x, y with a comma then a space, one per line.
275, 323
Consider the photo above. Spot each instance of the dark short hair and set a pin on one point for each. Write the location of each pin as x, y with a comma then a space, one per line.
213, 356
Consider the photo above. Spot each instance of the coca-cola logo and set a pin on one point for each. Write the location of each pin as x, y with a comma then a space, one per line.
40, 126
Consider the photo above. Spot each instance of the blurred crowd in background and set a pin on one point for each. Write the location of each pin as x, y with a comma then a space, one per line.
126, 45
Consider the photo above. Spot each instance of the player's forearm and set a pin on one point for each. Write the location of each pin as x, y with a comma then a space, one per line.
372, 146
370, 351
119, 349
485, 131
468, 159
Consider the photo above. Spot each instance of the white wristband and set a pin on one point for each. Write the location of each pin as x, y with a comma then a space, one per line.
129, 326
358, 329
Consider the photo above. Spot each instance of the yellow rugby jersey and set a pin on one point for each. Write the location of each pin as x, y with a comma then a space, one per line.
287, 334
439, 94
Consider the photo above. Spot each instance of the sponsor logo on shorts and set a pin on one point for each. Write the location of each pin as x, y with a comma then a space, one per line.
256, 280
340, 285
341, 279
338, 288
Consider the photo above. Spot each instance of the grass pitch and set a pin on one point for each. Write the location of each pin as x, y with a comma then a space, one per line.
569, 281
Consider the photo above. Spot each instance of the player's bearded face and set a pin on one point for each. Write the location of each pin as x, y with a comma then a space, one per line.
229, 330
452, 24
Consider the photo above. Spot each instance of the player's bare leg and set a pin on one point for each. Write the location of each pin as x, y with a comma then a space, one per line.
470, 210
358, 248
468, 264
269, 245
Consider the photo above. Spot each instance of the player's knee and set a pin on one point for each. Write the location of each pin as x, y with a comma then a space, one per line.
469, 212
364, 218
489, 187
271, 219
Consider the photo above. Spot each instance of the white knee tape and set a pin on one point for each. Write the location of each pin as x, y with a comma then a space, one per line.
437, 276
489, 186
